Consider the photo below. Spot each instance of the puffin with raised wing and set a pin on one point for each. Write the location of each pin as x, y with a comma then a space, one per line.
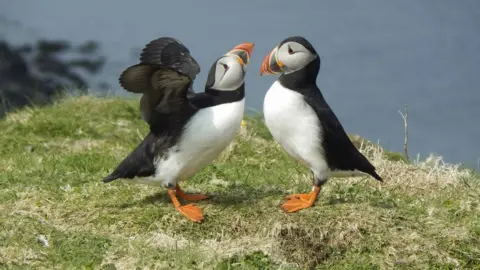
188, 130
302, 122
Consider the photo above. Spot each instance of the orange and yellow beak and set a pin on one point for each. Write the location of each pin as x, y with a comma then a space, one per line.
243, 52
271, 64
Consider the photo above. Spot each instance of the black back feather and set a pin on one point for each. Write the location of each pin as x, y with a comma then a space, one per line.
340, 153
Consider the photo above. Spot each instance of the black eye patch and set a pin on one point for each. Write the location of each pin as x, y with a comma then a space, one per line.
290, 51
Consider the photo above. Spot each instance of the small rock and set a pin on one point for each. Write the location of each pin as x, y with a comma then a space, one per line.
66, 188
43, 240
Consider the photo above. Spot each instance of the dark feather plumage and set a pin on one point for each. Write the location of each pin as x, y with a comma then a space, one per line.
340, 153
166, 71
136, 78
137, 163
170, 53
165, 76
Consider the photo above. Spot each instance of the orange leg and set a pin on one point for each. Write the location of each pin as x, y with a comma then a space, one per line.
298, 202
191, 211
189, 197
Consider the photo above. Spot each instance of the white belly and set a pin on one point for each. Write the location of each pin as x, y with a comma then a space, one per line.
295, 126
206, 135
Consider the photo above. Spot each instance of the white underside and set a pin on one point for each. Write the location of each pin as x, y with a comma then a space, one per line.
296, 127
206, 135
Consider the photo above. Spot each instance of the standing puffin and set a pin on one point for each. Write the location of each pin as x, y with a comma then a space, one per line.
302, 122
188, 130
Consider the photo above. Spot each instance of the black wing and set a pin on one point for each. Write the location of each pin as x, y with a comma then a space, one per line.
342, 154
164, 75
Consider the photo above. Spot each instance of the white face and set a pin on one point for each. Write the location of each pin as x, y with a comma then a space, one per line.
294, 56
229, 73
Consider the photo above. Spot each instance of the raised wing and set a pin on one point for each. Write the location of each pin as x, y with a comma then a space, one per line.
164, 75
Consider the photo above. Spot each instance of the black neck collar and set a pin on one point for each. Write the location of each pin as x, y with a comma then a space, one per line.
221, 97
303, 78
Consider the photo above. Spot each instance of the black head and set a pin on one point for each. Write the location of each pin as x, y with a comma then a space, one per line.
290, 55
228, 72
299, 40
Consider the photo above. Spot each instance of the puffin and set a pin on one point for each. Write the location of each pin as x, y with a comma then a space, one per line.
188, 130
300, 120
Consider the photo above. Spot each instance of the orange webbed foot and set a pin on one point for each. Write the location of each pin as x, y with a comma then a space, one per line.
297, 202
191, 211
193, 197
303, 197
189, 197
294, 205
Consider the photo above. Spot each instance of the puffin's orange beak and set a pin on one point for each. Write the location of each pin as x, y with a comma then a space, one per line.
271, 65
243, 52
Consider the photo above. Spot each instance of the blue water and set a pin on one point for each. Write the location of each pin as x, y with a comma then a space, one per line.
376, 55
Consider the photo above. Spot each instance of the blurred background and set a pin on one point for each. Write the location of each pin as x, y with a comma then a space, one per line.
376, 56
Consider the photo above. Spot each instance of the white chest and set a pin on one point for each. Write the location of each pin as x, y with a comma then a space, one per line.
206, 135
294, 125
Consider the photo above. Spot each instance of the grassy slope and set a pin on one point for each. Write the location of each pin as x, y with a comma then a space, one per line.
53, 159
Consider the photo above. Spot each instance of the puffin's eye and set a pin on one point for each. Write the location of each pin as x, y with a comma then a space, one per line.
225, 67
290, 51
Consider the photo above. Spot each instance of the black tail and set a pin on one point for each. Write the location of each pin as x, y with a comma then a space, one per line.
365, 166
110, 178
138, 163
376, 176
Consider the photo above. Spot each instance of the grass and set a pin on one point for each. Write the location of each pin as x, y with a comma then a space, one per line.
55, 213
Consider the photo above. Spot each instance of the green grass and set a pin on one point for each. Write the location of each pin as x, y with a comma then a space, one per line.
52, 160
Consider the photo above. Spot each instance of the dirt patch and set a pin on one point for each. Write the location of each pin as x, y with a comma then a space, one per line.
311, 246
